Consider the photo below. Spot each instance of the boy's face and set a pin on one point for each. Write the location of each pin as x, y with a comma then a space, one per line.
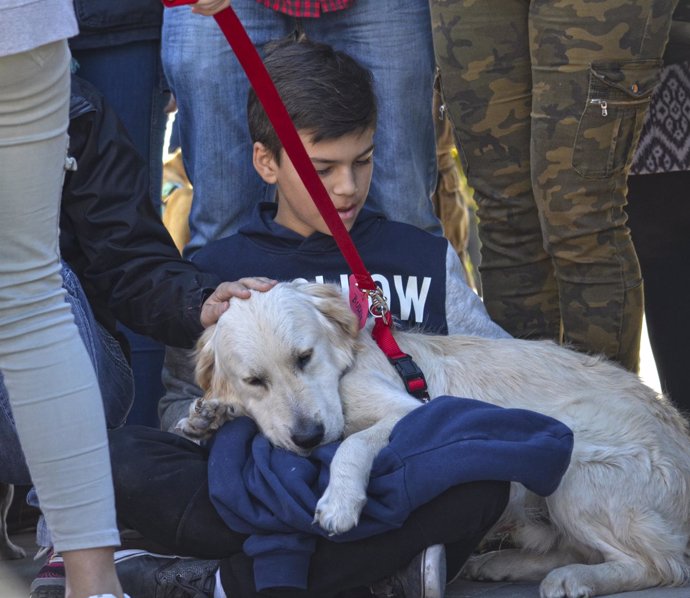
344, 166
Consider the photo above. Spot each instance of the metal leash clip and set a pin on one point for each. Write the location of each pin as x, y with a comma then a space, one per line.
379, 306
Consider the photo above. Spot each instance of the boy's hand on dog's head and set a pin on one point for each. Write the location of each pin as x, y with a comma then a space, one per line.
218, 301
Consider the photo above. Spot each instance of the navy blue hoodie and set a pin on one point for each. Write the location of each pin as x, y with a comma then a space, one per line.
271, 493
411, 265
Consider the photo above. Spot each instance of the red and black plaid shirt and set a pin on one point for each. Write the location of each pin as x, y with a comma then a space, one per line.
306, 8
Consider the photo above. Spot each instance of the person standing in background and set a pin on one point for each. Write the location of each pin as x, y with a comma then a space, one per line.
659, 212
389, 37
548, 101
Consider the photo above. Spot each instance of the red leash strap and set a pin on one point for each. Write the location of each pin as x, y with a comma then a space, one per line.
268, 95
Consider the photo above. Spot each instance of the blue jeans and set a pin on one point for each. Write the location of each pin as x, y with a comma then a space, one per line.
112, 370
392, 38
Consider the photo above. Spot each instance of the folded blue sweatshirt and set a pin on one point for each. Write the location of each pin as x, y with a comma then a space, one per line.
271, 494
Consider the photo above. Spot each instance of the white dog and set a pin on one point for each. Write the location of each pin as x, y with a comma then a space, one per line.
294, 360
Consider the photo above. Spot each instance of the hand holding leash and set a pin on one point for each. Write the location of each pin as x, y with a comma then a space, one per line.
207, 8
210, 7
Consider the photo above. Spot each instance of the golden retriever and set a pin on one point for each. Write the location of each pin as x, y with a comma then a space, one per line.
295, 361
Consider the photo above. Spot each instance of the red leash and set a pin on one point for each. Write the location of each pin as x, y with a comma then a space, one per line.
362, 286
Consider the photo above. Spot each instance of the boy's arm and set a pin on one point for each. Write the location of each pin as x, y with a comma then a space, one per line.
465, 311
180, 388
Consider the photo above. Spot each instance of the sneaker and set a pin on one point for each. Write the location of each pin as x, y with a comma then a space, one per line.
424, 577
50, 579
148, 575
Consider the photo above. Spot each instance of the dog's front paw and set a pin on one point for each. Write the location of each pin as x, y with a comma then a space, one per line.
206, 415
338, 511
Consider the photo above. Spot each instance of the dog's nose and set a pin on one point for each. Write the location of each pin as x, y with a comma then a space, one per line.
309, 435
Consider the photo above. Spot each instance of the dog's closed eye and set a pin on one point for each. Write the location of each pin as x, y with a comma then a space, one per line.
256, 381
304, 358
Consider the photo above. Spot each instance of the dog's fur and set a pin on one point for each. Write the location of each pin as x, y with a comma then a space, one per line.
295, 361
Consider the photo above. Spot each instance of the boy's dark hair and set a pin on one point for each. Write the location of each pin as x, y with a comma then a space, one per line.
326, 92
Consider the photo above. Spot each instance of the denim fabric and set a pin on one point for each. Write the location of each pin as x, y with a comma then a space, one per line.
392, 38
104, 23
147, 365
112, 370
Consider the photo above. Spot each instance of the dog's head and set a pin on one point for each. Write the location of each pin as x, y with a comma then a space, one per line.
278, 357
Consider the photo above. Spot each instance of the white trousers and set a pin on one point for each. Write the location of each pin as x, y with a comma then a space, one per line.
51, 383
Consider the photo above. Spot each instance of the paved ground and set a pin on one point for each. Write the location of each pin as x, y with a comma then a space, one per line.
16, 576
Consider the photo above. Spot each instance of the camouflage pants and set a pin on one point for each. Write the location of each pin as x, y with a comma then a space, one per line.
548, 98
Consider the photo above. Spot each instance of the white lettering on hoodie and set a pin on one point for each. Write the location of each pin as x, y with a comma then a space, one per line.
410, 297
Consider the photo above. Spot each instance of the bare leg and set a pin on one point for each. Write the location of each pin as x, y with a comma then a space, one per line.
90, 572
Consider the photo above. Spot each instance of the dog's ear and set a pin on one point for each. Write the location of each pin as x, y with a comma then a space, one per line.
329, 300
209, 376
205, 359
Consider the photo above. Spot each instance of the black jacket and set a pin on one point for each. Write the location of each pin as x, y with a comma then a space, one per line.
113, 238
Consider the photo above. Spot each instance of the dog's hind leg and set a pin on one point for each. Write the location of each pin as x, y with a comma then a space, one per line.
8, 550
562, 572
515, 564
632, 520
638, 559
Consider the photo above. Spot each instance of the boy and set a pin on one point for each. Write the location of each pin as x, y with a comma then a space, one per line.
420, 273
330, 98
